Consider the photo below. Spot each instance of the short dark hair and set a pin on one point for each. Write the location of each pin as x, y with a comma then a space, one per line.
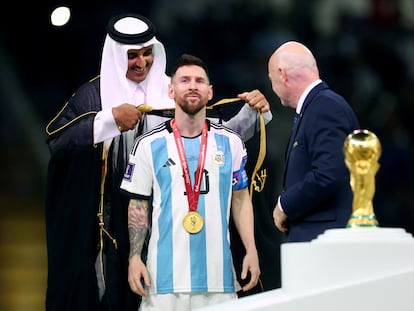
187, 60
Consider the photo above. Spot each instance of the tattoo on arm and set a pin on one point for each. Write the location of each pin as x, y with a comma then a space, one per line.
137, 225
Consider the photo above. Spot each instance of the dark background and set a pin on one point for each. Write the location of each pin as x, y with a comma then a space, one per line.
364, 49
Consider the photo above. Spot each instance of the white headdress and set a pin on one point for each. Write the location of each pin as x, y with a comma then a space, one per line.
125, 32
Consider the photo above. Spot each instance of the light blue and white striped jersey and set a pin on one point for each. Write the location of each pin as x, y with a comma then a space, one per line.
179, 261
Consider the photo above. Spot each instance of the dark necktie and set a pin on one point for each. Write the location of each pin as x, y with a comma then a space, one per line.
295, 120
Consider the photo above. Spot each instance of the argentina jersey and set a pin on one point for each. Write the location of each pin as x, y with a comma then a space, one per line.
179, 261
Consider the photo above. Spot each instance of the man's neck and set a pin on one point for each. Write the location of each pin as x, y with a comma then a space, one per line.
190, 125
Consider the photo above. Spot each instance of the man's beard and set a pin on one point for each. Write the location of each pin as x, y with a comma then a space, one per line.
191, 109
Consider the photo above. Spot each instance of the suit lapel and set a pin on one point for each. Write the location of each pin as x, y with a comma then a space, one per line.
311, 96
292, 139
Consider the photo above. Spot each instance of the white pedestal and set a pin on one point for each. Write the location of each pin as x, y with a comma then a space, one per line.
342, 269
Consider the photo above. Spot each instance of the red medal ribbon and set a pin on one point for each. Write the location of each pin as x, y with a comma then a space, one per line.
192, 194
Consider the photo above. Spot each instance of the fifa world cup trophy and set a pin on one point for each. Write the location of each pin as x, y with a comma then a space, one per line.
362, 150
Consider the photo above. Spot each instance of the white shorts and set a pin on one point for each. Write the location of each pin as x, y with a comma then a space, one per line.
183, 301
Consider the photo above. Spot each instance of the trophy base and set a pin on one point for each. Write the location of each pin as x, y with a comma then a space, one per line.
365, 221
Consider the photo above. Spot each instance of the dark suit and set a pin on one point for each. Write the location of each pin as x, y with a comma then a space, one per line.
317, 194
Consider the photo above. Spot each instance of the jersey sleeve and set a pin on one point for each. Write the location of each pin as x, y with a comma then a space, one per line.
137, 180
239, 153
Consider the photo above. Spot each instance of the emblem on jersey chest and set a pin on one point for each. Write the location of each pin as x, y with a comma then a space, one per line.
218, 158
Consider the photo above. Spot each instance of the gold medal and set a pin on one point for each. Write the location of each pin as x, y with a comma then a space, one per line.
193, 222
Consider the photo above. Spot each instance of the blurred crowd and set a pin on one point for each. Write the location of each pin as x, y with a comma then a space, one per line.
364, 49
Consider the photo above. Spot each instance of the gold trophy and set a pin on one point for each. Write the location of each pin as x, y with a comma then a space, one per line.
362, 150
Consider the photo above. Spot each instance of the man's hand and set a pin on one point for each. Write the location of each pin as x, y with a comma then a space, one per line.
138, 276
279, 217
250, 270
126, 116
256, 100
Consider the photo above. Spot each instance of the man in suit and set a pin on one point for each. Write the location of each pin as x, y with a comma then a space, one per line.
316, 191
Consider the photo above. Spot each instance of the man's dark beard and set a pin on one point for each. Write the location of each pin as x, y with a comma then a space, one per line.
189, 109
